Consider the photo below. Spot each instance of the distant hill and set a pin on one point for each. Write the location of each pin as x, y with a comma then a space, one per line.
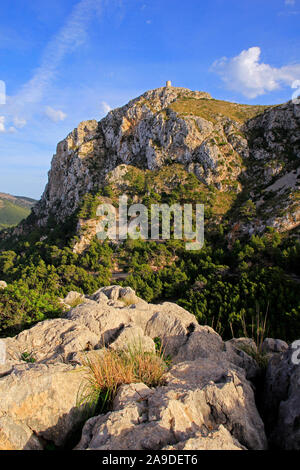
13, 209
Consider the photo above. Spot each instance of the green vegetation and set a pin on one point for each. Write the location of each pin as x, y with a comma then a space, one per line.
13, 210
39, 273
221, 287
210, 109
28, 357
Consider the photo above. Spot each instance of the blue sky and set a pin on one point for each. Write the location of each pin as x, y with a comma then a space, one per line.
67, 61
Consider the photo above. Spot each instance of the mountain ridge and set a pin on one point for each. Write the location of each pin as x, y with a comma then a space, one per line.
13, 209
238, 149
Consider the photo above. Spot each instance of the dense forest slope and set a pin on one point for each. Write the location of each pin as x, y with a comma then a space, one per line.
170, 145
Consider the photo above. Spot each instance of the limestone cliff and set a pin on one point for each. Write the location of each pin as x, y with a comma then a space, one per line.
252, 150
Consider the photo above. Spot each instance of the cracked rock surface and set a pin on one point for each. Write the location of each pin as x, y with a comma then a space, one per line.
207, 399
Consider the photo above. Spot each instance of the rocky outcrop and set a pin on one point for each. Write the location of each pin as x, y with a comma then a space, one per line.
220, 439
200, 401
272, 346
232, 147
206, 401
141, 133
206, 398
282, 400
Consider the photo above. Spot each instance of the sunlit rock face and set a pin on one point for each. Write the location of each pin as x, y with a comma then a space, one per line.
229, 146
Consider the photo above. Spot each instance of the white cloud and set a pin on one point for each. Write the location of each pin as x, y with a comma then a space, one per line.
2, 92
250, 77
105, 107
72, 35
55, 115
19, 122
3, 129
2, 124
290, 2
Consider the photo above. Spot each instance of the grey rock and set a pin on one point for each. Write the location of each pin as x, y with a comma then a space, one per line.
243, 344
220, 439
133, 338
73, 298
50, 341
282, 401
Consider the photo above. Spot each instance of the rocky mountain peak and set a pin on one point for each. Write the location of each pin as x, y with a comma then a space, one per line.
161, 98
234, 148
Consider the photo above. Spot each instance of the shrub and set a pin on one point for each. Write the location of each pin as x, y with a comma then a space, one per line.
259, 356
28, 357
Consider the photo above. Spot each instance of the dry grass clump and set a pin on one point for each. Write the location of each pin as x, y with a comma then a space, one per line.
210, 109
74, 303
108, 369
129, 299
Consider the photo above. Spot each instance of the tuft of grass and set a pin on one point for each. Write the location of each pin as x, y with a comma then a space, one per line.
258, 334
108, 369
160, 350
128, 300
260, 357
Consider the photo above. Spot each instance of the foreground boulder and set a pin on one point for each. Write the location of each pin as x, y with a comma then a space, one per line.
50, 341
38, 405
220, 439
207, 398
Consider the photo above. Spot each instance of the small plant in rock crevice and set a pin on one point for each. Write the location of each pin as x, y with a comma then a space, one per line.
28, 357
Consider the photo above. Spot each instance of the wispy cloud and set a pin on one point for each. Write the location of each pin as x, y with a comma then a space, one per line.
247, 75
19, 122
105, 107
2, 124
2, 92
290, 2
71, 36
55, 115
